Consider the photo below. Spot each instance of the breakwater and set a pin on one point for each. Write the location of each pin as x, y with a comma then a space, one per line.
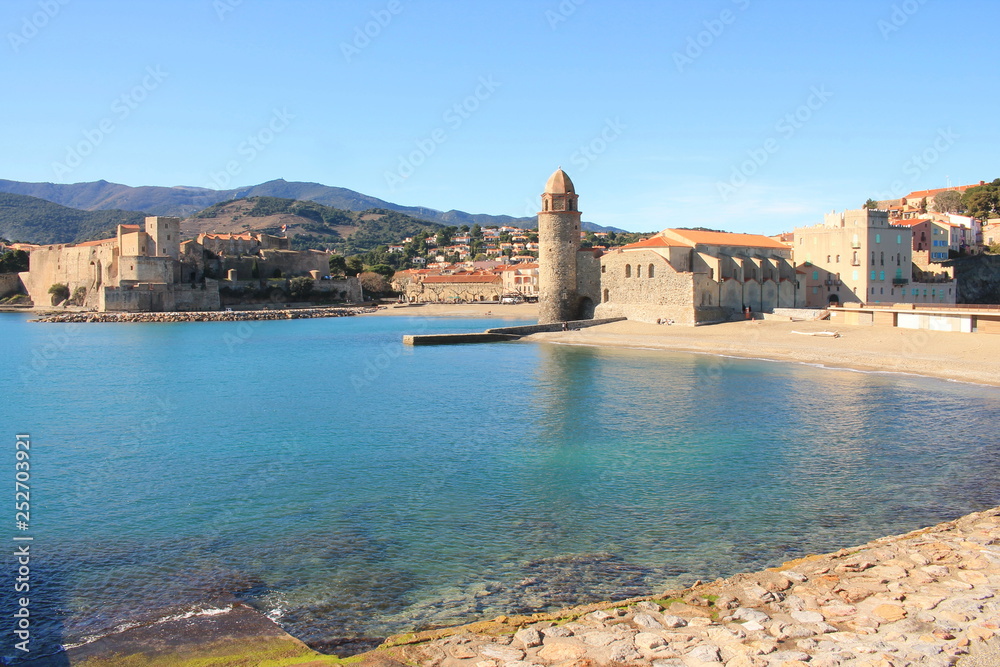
206, 316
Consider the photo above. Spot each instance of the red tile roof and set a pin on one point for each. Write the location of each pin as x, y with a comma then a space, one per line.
695, 237
652, 242
933, 193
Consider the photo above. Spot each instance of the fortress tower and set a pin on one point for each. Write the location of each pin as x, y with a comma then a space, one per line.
165, 234
558, 243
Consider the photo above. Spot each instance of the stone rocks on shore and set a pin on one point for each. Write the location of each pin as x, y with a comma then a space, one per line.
925, 598
206, 316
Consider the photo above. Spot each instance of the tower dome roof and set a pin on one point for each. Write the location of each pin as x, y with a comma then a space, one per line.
559, 184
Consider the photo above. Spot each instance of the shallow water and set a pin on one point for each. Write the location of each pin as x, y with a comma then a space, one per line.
351, 487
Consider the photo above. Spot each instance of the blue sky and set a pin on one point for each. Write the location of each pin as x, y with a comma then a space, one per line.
744, 115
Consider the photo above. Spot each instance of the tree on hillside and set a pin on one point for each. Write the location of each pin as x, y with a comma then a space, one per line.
14, 261
871, 204
383, 270
948, 202
374, 283
300, 287
982, 200
338, 265
355, 265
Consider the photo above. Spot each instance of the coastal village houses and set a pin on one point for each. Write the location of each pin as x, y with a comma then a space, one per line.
860, 256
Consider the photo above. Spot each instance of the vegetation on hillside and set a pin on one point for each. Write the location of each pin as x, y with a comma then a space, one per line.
32, 220
982, 201
316, 227
13, 261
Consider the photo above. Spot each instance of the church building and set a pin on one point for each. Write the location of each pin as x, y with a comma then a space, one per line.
686, 276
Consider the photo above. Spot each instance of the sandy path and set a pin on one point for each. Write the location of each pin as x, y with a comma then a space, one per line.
955, 356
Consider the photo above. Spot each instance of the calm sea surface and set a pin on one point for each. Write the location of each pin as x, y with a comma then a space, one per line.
350, 487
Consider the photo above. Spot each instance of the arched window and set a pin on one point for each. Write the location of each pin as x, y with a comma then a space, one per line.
650, 273
881, 259
604, 268
605, 295
545, 204
628, 270
638, 270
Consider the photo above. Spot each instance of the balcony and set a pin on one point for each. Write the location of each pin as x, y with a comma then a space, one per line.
900, 281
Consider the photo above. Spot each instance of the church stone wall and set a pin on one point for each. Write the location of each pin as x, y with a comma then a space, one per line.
627, 290
588, 281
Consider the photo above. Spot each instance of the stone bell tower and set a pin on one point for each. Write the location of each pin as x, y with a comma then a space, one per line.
558, 243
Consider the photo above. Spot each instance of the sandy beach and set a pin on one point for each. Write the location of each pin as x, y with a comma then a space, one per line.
954, 356
519, 311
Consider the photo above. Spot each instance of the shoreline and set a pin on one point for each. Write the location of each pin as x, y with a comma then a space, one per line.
958, 357
927, 596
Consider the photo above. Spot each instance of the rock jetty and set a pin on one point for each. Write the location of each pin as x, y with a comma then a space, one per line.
929, 597
206, 316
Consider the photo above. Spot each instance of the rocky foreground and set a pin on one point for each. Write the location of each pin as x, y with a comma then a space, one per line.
206, 316
924, 598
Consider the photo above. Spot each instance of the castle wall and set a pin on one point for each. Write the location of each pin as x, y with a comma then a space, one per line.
149, 269
10, 283
160, 298
74, 266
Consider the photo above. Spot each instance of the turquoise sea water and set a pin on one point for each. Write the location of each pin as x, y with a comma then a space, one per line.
350, 487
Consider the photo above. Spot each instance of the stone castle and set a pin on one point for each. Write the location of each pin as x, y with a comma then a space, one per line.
684, 276
149, 269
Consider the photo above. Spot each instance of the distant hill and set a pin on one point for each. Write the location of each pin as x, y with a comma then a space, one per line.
33, 220
184, 201
309, 224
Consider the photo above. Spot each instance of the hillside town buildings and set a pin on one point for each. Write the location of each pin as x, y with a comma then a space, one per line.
861, 257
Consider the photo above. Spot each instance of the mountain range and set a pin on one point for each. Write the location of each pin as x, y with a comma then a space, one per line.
184, 201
